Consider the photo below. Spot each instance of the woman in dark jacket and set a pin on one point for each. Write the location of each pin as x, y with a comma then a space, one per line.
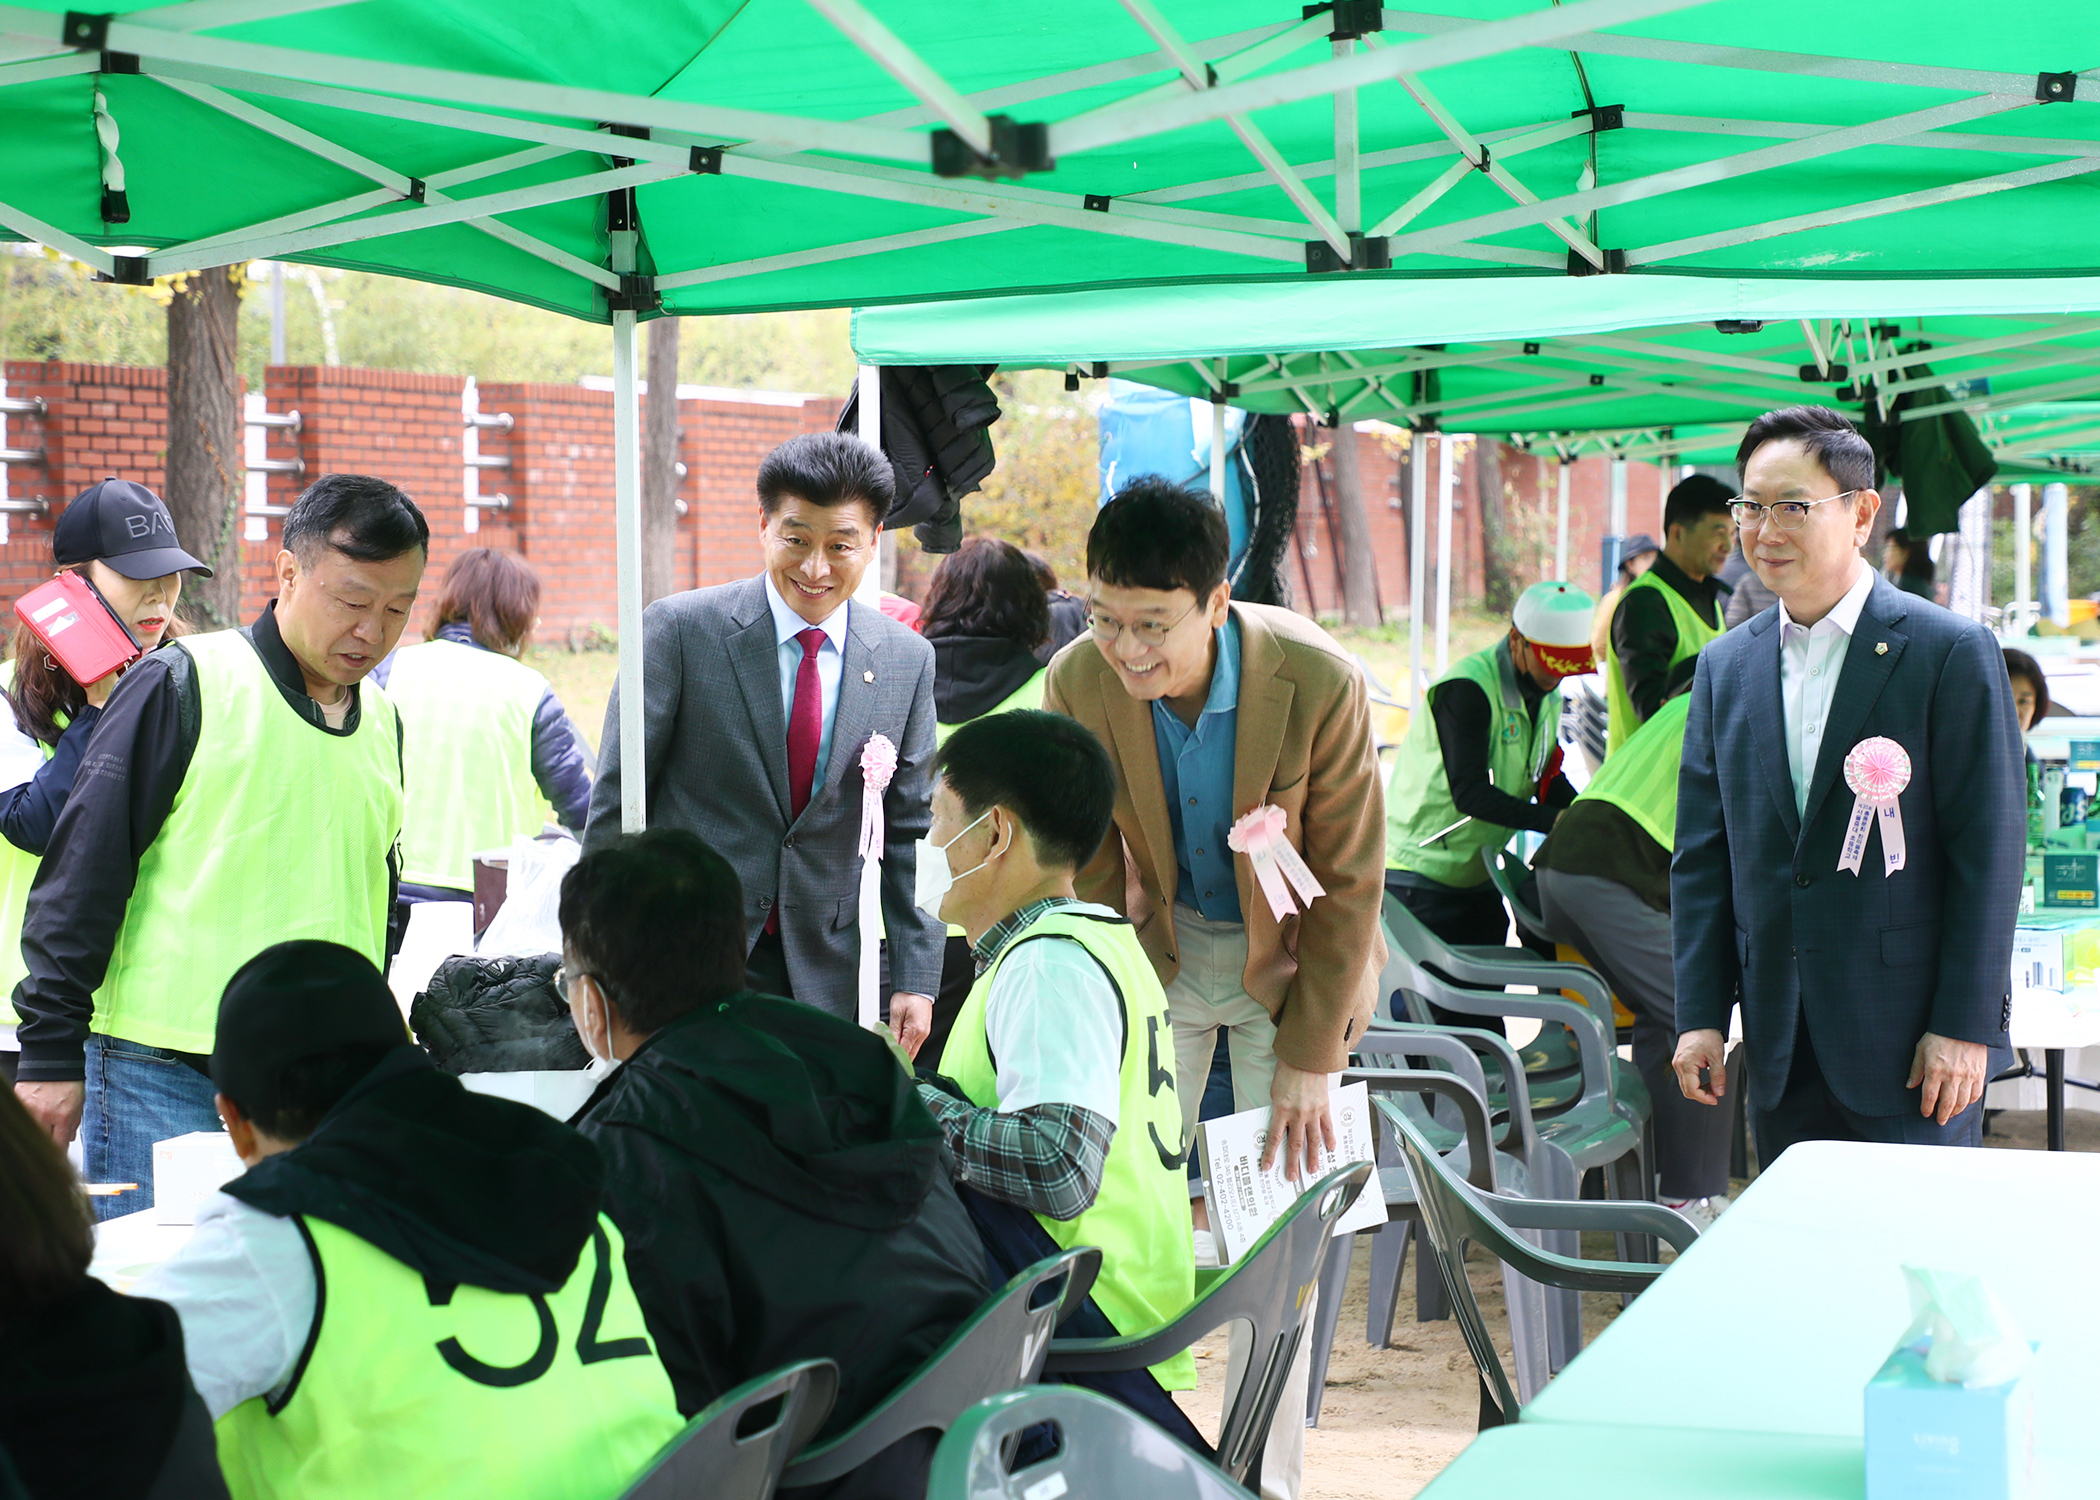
986, 616
95, 1396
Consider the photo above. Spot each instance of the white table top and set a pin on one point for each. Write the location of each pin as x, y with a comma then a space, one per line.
1776, 1319
129, 1246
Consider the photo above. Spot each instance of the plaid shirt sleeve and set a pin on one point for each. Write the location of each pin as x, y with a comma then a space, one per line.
1048, 1158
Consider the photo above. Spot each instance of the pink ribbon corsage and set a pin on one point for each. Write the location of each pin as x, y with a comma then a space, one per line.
1279, 868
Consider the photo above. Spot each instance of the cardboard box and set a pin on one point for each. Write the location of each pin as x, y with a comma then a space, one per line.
1931, 1440
2071, 880
187, 1170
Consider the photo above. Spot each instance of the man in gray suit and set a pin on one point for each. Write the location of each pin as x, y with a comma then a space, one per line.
760, 697
1871, 950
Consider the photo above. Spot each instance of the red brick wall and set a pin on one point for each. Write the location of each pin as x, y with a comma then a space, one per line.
407, 428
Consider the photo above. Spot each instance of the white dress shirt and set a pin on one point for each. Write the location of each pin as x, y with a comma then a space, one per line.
1810, 659
831, 666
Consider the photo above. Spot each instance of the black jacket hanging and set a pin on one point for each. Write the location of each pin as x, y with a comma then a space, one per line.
935, 429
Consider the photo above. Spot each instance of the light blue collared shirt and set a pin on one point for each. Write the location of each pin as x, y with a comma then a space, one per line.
831, 667
1196, 767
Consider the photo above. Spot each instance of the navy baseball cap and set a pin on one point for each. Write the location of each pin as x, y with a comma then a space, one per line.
123, 526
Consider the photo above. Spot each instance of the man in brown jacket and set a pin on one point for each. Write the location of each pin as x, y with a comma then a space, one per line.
1211, 709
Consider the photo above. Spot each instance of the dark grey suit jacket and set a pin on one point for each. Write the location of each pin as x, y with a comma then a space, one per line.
1759, 908
717, 759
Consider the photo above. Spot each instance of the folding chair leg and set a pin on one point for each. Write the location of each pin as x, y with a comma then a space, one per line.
1528, 1333
1388, 1261
1334, 1280
1432, 1297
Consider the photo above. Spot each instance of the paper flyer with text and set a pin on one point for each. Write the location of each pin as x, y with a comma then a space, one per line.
1244, 1200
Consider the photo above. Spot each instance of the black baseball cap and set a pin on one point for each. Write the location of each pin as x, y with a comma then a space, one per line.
297, 1000
124, 526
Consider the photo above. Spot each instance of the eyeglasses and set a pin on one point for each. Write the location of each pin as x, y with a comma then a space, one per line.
1790, 515
1148, 632
562, 981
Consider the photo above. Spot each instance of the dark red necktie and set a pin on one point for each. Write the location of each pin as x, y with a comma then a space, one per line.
805, 732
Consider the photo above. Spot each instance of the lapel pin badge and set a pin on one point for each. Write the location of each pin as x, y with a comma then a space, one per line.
870, 676
1881, 648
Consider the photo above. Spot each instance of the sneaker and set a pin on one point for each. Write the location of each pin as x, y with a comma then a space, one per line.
1701, 1211
1206, 1250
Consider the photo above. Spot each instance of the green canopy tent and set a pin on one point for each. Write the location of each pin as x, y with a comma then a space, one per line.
1666, 369
619, 162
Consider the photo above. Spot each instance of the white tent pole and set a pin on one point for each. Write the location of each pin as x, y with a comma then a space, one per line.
2056, 565
1443, 553
1560, 534
1217, 443
1417, 558
868, 384
627, 519
1617, 537
2023, 549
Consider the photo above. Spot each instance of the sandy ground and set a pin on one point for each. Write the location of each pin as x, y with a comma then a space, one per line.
1392, 1418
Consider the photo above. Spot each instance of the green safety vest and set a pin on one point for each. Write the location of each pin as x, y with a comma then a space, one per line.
280, 830
1693, 634
1641, 779
1140, 1218
1419, 810
412, 1387
1028, 695
18, 869
466, 730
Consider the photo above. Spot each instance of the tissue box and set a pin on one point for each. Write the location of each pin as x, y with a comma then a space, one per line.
187, 1170
2071, 880
1929, 1440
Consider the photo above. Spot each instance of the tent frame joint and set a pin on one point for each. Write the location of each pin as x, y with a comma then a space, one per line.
127, 270
706, 161
1351, 18
1366, 253
637, 294
1614, 264
1602, 117
85, 31
118, 62
2056, 88
1018, 148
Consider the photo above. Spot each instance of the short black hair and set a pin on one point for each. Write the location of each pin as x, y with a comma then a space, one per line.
2019, 664
1157, 535
1828, 435
987, 588
311, 1086
657, 919
827, 469
1050, 770
358, 516
1917, 554
1694, 498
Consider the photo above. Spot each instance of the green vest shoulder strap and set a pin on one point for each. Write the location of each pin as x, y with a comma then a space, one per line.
1425, 832
1028, 695
1140, 1216
1640, 778
412, 1387
466, 730
280, 830
1693, 634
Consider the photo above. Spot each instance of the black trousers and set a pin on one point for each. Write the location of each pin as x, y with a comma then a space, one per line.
1808, 1111
766, 970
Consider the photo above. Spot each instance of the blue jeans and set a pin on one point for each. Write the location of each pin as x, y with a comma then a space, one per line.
137, 1095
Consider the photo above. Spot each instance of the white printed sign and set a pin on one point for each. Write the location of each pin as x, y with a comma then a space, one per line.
1244, 1200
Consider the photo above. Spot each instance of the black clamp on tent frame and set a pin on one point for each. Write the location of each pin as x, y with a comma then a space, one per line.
1352, 18
1366, 253
85, 31
1017, 150
1739, 325
127, 270
1614, 264
1603, 117
637, 294
118, 62
706, 160
1834, 374
2056, 88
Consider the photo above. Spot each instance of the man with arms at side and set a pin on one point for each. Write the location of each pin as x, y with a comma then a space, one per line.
241, 789
780, 1185
1671, 611
1210, 710
1872, 999
760, 696
1063, 1122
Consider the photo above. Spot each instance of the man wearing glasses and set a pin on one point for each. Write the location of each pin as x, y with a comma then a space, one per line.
1212, 709
760, 697
1850, 826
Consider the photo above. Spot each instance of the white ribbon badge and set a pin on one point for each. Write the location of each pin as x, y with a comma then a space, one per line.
1277, 866
1877, 770
878, 763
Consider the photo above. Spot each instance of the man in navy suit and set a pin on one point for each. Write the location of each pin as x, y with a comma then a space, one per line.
1871, 1000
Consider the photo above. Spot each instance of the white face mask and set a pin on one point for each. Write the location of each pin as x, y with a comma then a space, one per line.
598, 1066
934, 882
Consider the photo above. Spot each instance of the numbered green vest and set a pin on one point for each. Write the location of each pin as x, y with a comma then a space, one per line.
412, 1387
1028, 695
1140, 1218
1693, 634
18, 869
466, 727
1641, 778
280, 830
1419, 819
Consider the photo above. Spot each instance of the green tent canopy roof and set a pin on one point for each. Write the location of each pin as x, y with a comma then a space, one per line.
788, 153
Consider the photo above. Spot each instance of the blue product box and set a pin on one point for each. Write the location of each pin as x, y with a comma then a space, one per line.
1930, 1440
2084, 756
2071, 880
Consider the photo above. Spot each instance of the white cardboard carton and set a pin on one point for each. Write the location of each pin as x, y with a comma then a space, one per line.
187, 1170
